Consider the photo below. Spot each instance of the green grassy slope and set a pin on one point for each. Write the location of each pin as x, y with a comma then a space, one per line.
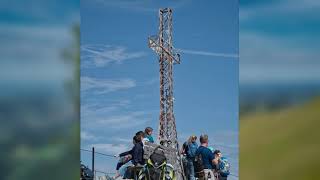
281, 145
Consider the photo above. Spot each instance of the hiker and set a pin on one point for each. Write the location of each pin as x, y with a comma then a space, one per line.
141, 134
143, 137
137, 156
137, 151
124, 161
189, 149
204, 160
148, 134
222, 165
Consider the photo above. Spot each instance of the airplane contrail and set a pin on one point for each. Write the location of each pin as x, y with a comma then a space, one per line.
205, 53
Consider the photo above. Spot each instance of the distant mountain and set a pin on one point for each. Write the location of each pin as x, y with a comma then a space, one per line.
273, 96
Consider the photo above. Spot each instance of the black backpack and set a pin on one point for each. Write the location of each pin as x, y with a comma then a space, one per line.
156, 169
198, 166
158, 157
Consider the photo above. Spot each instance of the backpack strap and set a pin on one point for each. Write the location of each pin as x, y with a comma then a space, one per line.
155, 149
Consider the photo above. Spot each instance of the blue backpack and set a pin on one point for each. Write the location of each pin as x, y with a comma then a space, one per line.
224, 167
192, 149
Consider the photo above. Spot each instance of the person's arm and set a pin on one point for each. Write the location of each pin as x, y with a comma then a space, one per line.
151, 139
182, 149
185, 148
125, 153
212, 159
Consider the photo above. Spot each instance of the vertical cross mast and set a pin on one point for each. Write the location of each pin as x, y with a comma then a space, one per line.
162, 45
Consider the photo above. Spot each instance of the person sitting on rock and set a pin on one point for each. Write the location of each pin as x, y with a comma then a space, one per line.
124, 160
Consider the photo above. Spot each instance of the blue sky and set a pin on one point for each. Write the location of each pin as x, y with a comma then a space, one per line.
279, 41
120, 74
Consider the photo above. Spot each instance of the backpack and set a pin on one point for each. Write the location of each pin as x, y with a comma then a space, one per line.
192, 149
198, 166
158, 157
156, 165
224, 167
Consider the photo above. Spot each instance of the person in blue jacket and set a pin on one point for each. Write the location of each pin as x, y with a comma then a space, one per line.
189, 149
208, 159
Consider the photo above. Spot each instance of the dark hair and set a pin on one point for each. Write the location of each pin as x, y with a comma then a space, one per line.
203, 138
134, 139
137, 138
148, 129
141, 133
216, 151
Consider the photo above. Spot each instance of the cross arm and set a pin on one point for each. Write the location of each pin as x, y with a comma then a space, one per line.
153, 43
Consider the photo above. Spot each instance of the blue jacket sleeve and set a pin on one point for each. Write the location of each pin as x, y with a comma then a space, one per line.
210, 155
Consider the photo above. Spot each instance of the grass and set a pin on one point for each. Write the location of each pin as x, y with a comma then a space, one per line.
281, 145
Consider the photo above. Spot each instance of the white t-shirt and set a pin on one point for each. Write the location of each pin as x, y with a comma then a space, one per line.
144, 140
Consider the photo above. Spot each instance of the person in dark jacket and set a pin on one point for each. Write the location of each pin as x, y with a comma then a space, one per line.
136, 154
137, 151
207, 156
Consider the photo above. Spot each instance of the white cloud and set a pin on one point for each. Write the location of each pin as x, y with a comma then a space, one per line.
100, 55
105, 107
98, 109
110, 149
123, 140
206, 53
87, 136
102, 86
115, 120
126, 120
116, 115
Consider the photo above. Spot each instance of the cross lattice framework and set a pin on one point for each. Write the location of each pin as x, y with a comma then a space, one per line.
162, 45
